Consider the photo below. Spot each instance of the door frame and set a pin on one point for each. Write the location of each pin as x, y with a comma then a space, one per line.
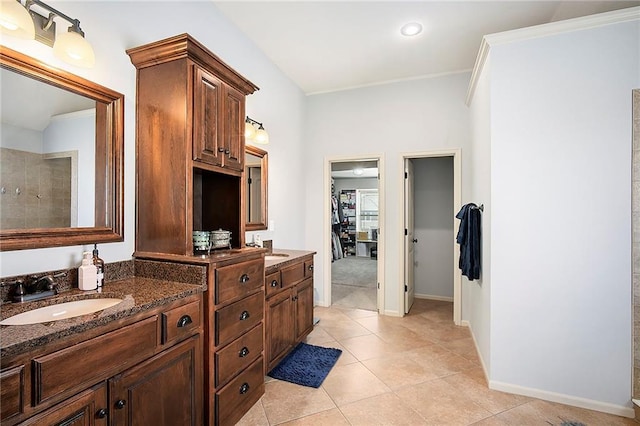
327, 223
456, 153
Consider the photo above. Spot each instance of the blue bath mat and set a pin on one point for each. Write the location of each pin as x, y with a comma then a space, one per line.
306, 365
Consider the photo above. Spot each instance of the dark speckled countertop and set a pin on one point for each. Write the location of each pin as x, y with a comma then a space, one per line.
137, 294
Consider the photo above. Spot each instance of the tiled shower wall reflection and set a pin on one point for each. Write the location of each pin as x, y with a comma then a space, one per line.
635, 220
35, 192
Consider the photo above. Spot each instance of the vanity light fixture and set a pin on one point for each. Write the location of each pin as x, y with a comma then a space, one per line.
259, 135
21, 21
411, 29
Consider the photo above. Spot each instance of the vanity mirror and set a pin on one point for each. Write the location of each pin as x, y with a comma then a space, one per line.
61, 153
255, 188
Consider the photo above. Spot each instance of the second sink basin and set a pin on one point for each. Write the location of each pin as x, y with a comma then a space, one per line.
60, 311
275, 256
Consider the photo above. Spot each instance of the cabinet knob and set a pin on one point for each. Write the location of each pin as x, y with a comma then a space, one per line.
311, 267
220, 149
244, 315
244, 388
274, 283
243, 352
244, 278
184, 321
120, 404
294, 298
101, 413
226, 151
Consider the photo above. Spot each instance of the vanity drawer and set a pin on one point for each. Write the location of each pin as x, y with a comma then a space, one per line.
235, 319
93, 360
292, 274
240, 394
272, 283
308, 268
11, 391
238, 354
181, 322
238, 280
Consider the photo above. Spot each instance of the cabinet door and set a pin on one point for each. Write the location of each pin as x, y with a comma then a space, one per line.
164, 390
304, 308
12, 392
234, 129
88, 408
208, 145
280, 326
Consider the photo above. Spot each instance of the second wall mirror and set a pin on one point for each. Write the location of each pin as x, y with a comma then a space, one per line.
255, 188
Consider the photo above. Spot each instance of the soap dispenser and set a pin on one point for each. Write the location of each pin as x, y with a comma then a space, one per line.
99, 263
87, 273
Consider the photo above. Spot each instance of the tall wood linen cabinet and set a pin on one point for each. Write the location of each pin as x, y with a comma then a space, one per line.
190, 113
189, 168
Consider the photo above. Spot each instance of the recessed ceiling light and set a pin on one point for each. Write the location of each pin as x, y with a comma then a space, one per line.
411, 29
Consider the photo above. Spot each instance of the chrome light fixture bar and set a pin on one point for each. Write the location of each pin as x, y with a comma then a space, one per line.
70, 47
259, 136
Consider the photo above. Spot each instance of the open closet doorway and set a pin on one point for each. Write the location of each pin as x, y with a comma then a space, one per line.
355, 230
432, 197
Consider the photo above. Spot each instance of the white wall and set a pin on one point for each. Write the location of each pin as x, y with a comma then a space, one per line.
433, 226
389, 120
561, 215
113, 27
476, 295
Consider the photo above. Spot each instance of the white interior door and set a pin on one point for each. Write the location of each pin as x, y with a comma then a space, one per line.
409, 240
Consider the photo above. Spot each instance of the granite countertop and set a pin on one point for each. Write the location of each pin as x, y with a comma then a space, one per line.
281, 257
137, 294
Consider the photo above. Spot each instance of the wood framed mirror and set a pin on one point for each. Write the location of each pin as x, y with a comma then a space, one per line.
255, 188
44, 205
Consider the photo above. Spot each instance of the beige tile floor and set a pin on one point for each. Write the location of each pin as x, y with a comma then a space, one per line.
416, 370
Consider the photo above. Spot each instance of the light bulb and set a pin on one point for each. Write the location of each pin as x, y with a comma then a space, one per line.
262, 137
249, 131
72, 48
15, 20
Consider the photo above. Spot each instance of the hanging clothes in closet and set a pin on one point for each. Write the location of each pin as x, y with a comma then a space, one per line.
336, 246
469, 238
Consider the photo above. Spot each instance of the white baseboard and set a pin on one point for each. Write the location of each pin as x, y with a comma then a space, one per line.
618, 410
590, 404
466, 323
432, 297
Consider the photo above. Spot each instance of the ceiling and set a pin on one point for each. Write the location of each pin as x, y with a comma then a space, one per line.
327, 45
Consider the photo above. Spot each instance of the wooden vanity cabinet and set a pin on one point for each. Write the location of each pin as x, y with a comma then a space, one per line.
234, 364
190, 109
289, 308
118, 374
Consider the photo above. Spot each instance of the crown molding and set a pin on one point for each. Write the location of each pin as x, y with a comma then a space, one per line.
545, 30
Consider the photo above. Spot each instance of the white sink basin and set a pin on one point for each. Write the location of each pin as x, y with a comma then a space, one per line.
60, 311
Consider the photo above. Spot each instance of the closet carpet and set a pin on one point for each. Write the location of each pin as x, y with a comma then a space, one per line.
354, 283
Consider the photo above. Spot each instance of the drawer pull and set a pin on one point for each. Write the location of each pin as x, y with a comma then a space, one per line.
274, 283
102, 413
244, 315
184, 321
244, 278
244, 388
311, 267
243, 352
120, 404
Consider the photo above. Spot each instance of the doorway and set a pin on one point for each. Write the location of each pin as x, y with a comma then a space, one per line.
432, 197
353, 280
